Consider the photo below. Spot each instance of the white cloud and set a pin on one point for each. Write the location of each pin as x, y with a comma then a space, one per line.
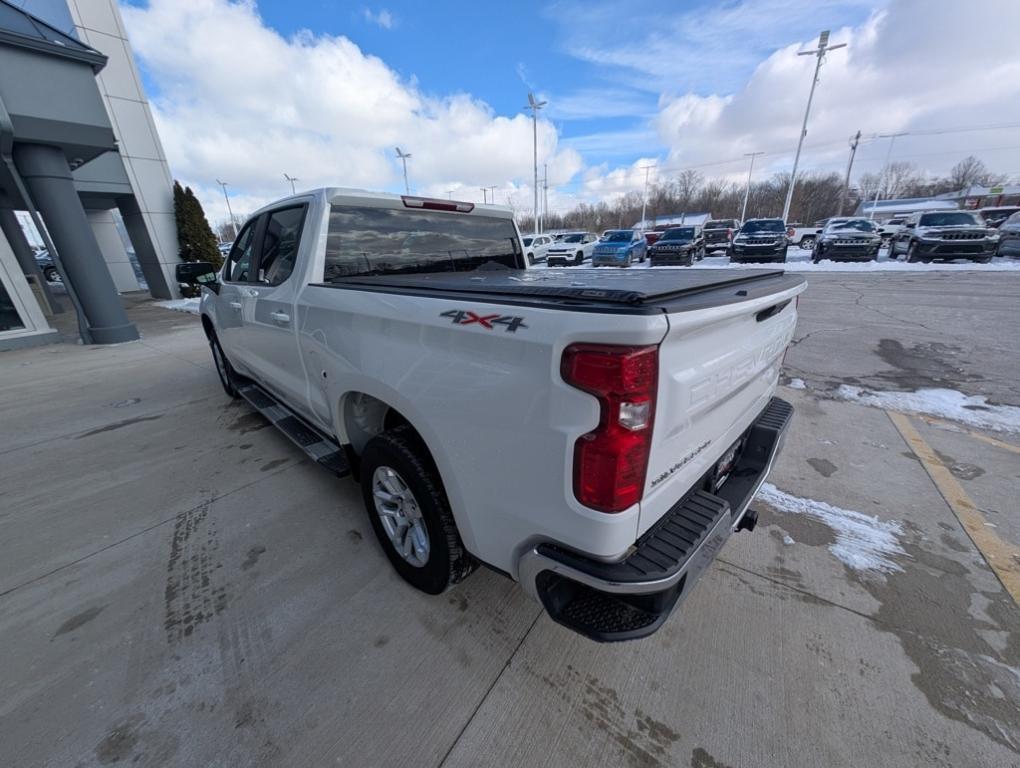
242, 103
911, 66
381, 18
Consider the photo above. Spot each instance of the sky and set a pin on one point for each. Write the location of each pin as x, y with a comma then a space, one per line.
325, 91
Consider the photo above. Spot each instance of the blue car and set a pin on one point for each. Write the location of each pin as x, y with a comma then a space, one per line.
619, 248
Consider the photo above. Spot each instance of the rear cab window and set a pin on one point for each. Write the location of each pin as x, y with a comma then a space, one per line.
365, 240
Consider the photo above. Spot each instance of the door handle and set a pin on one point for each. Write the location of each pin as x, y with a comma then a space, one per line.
235, 305
280, 317
251, 293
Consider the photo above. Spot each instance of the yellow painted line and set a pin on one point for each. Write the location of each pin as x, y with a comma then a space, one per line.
1002, 556
976, 435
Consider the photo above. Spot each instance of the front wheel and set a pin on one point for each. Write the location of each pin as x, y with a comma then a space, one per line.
228, 377
807, 243
531, 258
912, 256
579, 258
409, 512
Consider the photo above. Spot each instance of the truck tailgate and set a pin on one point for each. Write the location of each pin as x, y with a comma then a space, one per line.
718, 368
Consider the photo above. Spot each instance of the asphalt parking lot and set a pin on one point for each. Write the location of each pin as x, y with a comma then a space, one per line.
178, 587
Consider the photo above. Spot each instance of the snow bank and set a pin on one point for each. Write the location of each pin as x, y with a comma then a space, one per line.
797, 384
972, 410
863, 543
181, 305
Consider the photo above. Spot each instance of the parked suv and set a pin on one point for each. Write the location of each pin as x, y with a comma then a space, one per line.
571, 249
719, 233
760, 240
945, 235
678, 246
847, 240
536, 247
1009, 237
619, 248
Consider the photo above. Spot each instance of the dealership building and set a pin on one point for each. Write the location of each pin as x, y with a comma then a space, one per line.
81, 159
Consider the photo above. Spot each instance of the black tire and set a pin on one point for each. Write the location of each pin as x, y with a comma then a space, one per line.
448, 562
984, 260
531, 258
807, 242
225, 371
579, 258
51, 275
912, 257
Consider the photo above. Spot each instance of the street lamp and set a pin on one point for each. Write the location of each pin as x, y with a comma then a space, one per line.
644, 195
534, 106
819, 53
291, 179
747, 191
233, 226
878, 187
403, 159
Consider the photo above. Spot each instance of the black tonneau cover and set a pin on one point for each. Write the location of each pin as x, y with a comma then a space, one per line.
638, 288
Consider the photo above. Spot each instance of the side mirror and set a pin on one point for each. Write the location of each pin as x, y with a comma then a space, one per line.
911, 225
198, 273
818, 231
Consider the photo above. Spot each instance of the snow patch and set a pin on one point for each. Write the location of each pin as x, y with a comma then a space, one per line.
788, 539
797, 384
863, 543
181, 305
972, 410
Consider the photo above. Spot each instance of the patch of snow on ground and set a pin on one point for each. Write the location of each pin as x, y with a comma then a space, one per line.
797, 384
181, 305
863, 543
788, 539
972, 410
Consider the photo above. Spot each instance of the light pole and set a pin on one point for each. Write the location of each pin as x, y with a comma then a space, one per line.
534, 106
403, 159
291, 179
644, 195
485, 193
449, 194
492, 194
233, 226
819, 54
878, 187
747, 191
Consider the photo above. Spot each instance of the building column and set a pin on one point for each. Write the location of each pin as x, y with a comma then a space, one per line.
48, 178
11, 228
112, 248
159, 276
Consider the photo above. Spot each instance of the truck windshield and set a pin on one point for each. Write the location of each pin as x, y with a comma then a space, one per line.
687, 233
947, 220
771, 225
387, 241
719, 224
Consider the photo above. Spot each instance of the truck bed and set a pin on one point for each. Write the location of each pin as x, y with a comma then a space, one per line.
600, 290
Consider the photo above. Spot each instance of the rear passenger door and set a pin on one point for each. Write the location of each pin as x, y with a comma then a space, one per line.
270, 329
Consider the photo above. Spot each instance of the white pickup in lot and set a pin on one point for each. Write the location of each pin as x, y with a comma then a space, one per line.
594, 435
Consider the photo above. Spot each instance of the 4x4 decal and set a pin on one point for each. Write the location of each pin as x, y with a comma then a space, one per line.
465, 317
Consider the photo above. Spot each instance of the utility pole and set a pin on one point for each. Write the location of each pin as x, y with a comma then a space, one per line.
747, 191
819, 54
403, 159
885, 168
644, 195
291, 179
492, 194
233, 224
846, 183
545, 192
485, 192
449, 194
534, 106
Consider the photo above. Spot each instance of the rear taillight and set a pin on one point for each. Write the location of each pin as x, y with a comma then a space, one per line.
611, 461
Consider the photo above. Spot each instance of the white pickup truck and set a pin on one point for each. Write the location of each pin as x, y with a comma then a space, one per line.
594, 435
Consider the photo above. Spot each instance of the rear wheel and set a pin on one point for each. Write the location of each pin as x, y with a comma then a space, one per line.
228, 377
409, 512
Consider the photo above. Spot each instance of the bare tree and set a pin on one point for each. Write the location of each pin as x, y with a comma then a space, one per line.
969, 171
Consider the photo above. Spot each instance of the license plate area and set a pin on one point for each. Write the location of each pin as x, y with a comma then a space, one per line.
721, 472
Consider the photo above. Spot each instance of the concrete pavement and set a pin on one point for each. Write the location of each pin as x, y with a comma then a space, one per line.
178, 587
